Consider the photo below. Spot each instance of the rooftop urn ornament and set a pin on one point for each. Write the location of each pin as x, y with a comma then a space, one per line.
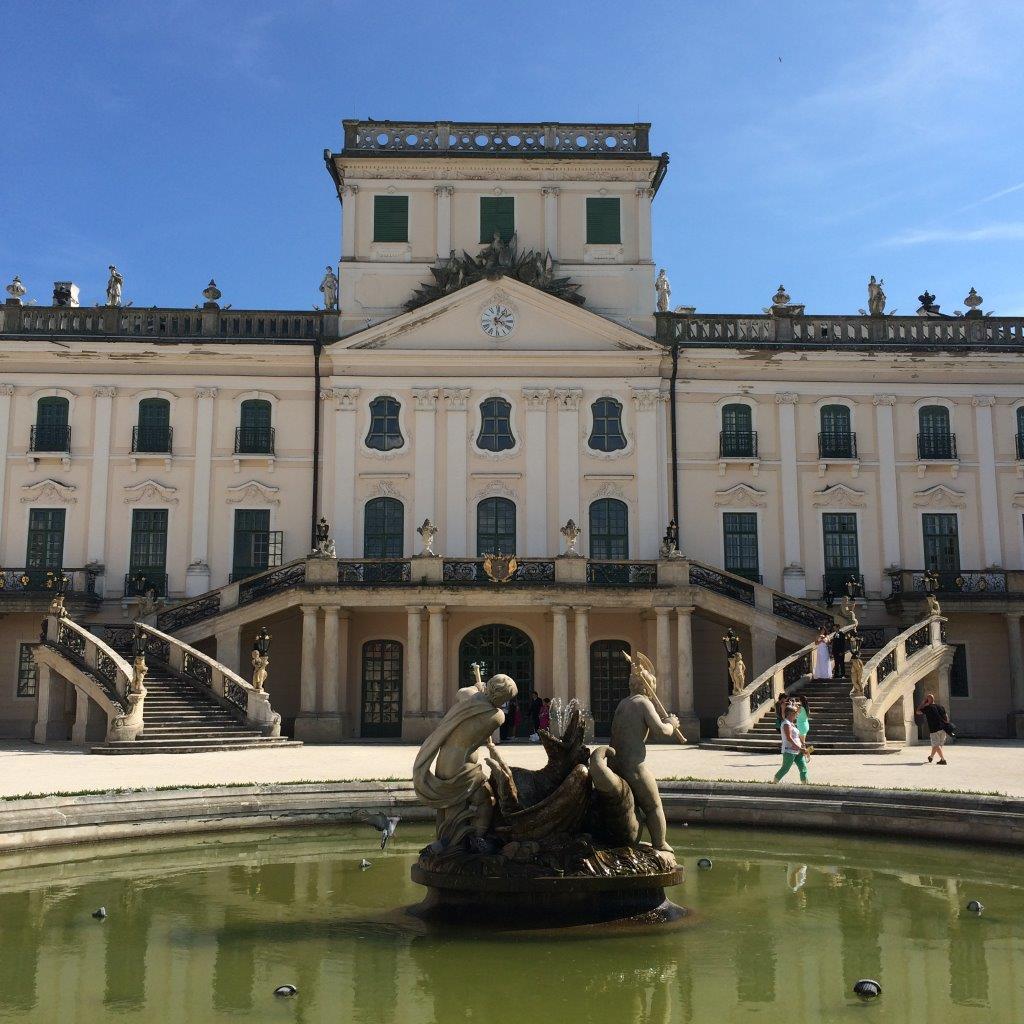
260, 659
329, 287
781, 297
114, 285
211, 293
427, 532
782, 305
928, 306
876, 297
973, 303
572, 533
664, 290
16, 291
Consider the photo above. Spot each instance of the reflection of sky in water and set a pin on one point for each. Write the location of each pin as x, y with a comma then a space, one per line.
204, 929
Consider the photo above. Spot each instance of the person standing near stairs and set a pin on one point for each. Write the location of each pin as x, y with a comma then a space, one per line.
803, 718
793, 749
936, 717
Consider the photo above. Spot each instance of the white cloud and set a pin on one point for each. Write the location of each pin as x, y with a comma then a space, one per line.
1011, 231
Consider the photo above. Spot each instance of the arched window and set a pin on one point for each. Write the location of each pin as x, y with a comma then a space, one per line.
607, 435
51, 432
254, 434
738, 439
934, 440
609, 681
383, 528
836, 438
385, 434
495, 527
495, 426
498, 648
153, 431
609, 529
381, 703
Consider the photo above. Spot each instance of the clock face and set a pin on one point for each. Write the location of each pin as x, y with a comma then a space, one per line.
498, 320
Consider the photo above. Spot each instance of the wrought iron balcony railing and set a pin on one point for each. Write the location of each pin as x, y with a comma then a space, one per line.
155, 440
140, 582
737, 444
49, 437
75, 582
254, 440
972, 583
936, 446
748, 574
839, 581
622, 574
841, 445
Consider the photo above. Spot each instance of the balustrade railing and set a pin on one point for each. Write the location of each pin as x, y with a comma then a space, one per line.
254, 588
622, 574
49, 437
975, 583
144, 581
186, 614
472, 570
837, 445
941, 447
724, 583
800, 613
254, 440
152, 439
77, 582
375, 572
737, 444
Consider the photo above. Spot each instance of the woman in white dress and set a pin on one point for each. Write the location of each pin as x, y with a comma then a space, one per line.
821, 665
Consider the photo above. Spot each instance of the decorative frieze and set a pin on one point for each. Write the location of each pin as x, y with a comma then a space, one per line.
536, 398
104, 391
345, 399
883, 399
646, 399
455, 399
787, 398
206, 392
425, 399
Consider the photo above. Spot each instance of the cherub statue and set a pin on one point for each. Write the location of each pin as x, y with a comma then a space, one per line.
635, 718
139, 670
259, 670
734, 659
848, 611
148, 604
329, 287
933, 604
57, 607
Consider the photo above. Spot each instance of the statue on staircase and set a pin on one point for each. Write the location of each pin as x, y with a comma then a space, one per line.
853, 645
734, 658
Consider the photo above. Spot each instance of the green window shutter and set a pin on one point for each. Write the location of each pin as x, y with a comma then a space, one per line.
497, 213
603, 222
391, 218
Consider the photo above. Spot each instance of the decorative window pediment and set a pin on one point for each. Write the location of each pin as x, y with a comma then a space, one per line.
49, 489
740, 496
939, 496
253, 490
150, 490
838, 496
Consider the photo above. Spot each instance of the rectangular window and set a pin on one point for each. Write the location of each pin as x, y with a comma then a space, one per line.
256, 546
603, 222
391, 218
147, 561
941, 541
26, 671
740, 532
497, 213
842, 558
45, 538
958, 684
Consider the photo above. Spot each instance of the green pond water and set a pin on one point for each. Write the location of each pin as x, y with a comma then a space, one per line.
203, 929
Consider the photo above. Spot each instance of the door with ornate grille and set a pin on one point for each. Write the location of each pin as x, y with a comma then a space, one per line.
381, 714
609, 681
498, 648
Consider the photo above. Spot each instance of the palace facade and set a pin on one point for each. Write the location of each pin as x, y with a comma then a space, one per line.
495, 366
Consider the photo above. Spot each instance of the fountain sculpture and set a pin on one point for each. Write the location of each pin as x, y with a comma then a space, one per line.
561, 844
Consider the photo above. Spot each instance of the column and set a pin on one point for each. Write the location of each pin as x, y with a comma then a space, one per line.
78, 730
229, 648
560, 652
663, 650
342, 689
103, 401
425, 465
567, 401
197, 577
307, 668
443, 204
435, 658
990, 528
42, 703
648, 477
887, 488
551, 220
412, 695
581, 659
762, 646
344, 514
6, 392
536, 401
1016, 651
643, 225
794, 580
684, 672
453, 529
329, 699
349, 195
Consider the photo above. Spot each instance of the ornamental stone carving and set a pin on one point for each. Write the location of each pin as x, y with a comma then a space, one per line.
455, 399
253, 490
385, 489
838, 496
51, 490
444, 190
345, 398
104, 391
786, 398
149, 490
568, 398
645, 399
206, 392
983, 400
425, 399
536, 398
7, 389
610, 490
883, 399
740, 496
551, 191
939, 496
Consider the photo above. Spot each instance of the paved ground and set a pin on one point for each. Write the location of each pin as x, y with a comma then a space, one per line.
992, 767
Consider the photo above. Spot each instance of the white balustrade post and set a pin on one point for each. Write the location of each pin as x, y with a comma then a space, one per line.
6, 393
39, 730
568, 403
103, 401
453, 530
443, 208
581, 658
887, 487
991, 531
794, 580
345, 440
536, 401
425, 465
560, 653
646, 402
683, 701
412, 696
551, 195
435, 658
197, 576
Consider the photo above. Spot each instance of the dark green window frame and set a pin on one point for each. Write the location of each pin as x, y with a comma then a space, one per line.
940, 538
739, 531
149, 541
609, 530
383, 528
604, 220
46, 538
28, 675
607, 434
495, 527
497, 213
495, 426
391, 218
385, 433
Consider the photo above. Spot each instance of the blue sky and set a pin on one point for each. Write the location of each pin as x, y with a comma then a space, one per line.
183, 139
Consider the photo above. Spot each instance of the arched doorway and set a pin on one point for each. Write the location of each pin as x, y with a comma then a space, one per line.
499, 648
609, 681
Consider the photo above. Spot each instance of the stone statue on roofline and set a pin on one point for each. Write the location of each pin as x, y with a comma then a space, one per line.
664, 290
114, 285
876, 297
329, 287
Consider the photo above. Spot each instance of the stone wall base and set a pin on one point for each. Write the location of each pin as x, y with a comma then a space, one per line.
322, 728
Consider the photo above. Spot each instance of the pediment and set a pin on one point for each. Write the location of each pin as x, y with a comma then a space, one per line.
939, 496
543, 323
740, 496
838, 496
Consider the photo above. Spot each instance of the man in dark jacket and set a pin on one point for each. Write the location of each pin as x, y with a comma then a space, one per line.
838, 655
937, 719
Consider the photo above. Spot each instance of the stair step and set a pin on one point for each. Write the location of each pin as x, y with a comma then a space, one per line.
740, 743
138, 747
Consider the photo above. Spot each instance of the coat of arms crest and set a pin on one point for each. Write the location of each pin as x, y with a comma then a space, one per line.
500, 568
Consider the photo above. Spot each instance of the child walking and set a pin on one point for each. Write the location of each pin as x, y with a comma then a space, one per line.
793, 749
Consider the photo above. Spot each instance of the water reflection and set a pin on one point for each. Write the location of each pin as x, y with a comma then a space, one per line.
205, 930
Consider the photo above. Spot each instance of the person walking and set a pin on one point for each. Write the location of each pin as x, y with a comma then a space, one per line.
937, 718
803, 718
793, 749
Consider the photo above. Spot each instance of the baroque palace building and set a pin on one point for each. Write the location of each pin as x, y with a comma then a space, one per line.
493, 365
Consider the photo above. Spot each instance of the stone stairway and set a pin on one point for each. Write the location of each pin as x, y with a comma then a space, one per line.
831, 714
181, 719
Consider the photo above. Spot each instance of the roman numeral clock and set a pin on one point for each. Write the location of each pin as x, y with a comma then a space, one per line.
498, 320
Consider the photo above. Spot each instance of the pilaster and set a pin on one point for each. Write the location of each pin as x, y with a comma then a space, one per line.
793, 577
435, 659
349, 197
663, 651
643, 225
78, 730
560, 653
443, 210
103, 400
6, 393
307, 673
648, 475
887, 485
40, 728
991, 530
453, 535
536, 402
412, 696
1016, 652
425, 465
567, 401
197, 577
345, 407
551, 195
688, 722
581, 658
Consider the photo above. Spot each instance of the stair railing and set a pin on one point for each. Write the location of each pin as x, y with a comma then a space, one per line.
758, 697
228, 688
